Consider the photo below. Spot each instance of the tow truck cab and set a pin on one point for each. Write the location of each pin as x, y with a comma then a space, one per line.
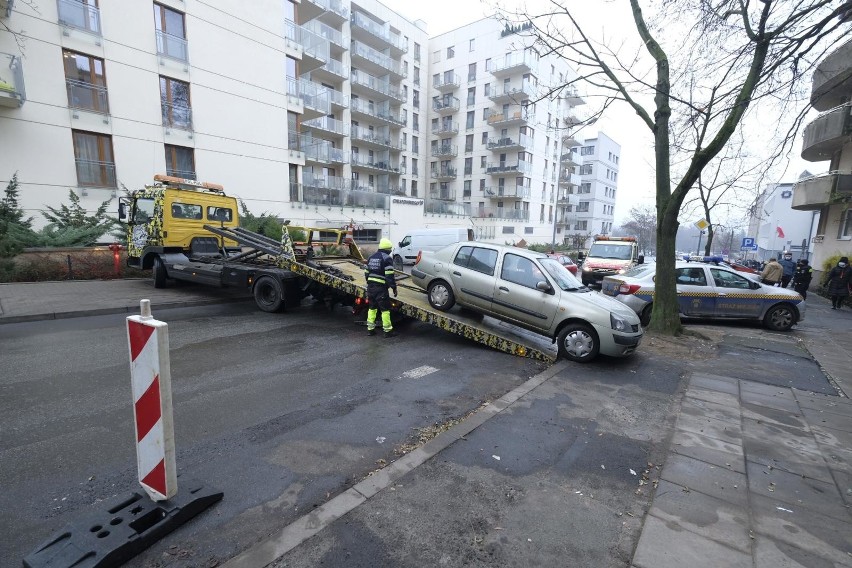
608, 256
168, 217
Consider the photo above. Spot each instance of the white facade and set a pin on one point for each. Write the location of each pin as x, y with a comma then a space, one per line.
320, 112
776, 227
595, 207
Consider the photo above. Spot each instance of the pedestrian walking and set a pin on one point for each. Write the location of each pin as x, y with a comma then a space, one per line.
837, 282
380, 279
789, 267
772, 272
802, 277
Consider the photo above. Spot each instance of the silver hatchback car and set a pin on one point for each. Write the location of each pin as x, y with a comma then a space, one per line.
530, 290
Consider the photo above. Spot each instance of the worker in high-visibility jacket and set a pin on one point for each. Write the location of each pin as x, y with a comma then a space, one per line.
380, 279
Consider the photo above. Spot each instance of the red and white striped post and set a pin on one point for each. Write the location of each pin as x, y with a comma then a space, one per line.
150, 376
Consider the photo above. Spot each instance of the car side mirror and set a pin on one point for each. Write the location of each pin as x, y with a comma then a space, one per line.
543, 286
754, 285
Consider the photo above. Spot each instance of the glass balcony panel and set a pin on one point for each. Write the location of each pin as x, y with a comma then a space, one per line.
380, 31
172, 47
447, 82
500, 213
450, 105
185, 174
93, 173
78, 15
445, 150
86, 96
447, 208
381, 86
328, 33
377, 58
328, 124
12, 92
177, 116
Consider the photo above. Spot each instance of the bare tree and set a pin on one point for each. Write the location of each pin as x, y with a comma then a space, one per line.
643, 224
705, 64
18, 34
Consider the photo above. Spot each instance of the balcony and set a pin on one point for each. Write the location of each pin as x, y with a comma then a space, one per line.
500, 213
505, 168
376, 34
445, 151
309, 179
443, 194
567, 179
380, 138
569, 159
521, 116
513, 63
446, 128
80, 16
334, 10
176, 116
374, 61
330, 34
338, 99
569, 140
374, 85
315, 50
573, 96
440, 207
447, 83
86, 96
314, 98
6, 8
327, 125
445, 106
510, 192
509, 94
832, 80
381, 165
443, 173
334, 197
814, 193
381, 111
92, 173
321, 151
332, 69
827, 133
173, 47
521, 142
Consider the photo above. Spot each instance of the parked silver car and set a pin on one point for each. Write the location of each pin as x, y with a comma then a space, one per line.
530, 290
709, 291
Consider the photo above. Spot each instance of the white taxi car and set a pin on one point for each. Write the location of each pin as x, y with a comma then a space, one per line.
709, 291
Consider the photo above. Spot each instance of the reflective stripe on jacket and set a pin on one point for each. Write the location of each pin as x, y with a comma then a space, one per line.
380, 270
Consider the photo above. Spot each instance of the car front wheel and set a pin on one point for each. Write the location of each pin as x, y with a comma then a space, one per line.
645, 316
397, 263
780, 317
441, 296
578, 342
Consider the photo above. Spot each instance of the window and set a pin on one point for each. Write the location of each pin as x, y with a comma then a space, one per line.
85, 82
171, 33
451, 52
485, 137
94, 159
468, 143
482, 162
471, 96
180, 162
587, 150
471, 72
583, 207
586, 169
471, 45
291, 69
693, 276
82, 15
293, 131
436, 55
488, 65
416, 52
174, 95
585, 187
467, 184
414, 182
415, 122
416, 76
468, 166
520, 270
415, 144
416, 99
187, 211
845, 228
476, 258
469, 120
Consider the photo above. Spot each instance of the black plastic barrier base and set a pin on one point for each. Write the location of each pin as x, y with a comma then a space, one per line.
122, 528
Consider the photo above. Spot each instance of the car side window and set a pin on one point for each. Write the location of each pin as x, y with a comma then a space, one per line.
693, 276
725, 279
405, 242
520, 270
463, 256
483, 260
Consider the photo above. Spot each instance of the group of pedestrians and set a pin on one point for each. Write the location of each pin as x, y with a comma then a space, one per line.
781, 273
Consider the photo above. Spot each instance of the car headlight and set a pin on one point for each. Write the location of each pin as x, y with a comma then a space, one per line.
618, 324
621, 271
587, 269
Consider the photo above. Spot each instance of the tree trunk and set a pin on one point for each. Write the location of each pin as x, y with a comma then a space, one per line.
665, 318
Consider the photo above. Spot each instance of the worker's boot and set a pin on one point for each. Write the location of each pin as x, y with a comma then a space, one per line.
389, 334
371, 332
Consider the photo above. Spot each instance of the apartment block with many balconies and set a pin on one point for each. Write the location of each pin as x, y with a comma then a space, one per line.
829, 138
596, 161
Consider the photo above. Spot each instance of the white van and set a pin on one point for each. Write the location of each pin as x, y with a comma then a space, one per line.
427, 240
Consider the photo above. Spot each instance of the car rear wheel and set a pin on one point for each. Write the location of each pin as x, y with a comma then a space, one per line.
441, 296
780, 317
645, 316
578, 342
397, 262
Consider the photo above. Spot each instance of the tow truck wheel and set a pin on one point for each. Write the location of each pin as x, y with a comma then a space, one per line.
268, 294
159, 273
780, 318
645, 316
397, 262
578, 342
441, 296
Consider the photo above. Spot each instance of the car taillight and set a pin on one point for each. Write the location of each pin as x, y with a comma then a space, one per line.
419, 255
628, 288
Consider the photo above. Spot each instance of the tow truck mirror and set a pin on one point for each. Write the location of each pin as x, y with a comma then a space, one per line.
641, 259
122, 211
581, 255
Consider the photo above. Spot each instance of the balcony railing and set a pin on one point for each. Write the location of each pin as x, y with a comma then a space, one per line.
447, 82
449, 105
513, 63
334, 67
380, 137
507, 143
183, 174
446, 128
328, 124
569, 159
325, 182
827, 133
337, 98
508, 192
345, 198
509, 93
78, 15
440, 207
501, 168
445, 150
12, 92
443, 194
381, 111
518, 116
86, 96
317, 150
377, 58
447, 172
375, 84
816, 192
173, 47
93, 173
177, 116
333, 6
328, 33
500, 213
382, 164
312, 95
380, 31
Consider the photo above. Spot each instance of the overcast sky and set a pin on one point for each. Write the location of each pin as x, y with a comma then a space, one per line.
636, 172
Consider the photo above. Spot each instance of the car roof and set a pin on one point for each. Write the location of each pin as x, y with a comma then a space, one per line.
505, 248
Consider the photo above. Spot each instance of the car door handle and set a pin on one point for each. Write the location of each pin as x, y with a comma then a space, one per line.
503, 289
722, 293
456, 273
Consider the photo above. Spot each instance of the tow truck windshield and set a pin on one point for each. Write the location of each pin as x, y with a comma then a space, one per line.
618, 252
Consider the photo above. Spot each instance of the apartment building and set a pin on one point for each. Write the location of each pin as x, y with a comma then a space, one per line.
827, 137
595, 203
776, 226
324, 112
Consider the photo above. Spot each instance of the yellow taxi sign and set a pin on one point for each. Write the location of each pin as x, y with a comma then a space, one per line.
702, 224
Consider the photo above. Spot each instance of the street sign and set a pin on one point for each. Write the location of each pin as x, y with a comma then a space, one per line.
748, 244
702, 224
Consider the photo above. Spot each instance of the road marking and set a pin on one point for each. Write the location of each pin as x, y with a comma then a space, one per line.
418, 373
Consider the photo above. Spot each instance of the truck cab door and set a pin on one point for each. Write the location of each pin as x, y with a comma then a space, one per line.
144, 226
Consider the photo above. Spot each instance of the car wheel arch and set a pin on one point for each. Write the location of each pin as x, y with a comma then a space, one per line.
773, 307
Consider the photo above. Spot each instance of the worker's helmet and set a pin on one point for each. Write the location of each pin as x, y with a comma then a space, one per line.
385, 244
788, 255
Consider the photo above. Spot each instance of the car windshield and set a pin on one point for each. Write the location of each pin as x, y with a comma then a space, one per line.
564, 279
620, 252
